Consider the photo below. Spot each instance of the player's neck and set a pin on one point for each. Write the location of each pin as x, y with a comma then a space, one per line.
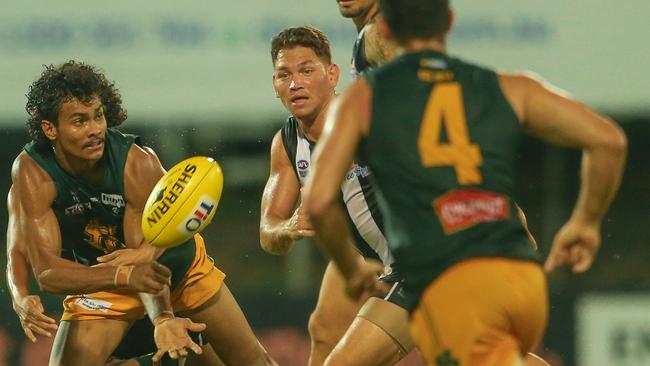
312, 126
87, 170
433, 44
366, 17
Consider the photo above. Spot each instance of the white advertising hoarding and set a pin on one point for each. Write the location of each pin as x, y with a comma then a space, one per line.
613, 329
207, 61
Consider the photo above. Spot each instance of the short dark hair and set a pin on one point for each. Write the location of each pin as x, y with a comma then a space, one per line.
416, 19
62, 83
306, 36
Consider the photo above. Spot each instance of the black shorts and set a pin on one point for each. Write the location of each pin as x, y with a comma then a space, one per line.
396, 293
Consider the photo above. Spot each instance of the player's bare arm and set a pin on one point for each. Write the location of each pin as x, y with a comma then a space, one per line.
28, 307
36, 193
281, 224
347, 122
549, 114
141, 173
142, 159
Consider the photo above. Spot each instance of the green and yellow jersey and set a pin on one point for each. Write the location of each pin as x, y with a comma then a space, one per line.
441, 144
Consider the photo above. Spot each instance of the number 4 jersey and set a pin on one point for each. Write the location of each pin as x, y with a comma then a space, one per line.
441, 146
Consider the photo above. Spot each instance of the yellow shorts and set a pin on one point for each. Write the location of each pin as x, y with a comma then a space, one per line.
482, 312
202, 281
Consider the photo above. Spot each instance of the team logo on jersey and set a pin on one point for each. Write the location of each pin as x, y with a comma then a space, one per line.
357, 171
303, 168
459, 210
102, 237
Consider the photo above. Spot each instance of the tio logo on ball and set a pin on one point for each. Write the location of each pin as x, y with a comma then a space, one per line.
199, 216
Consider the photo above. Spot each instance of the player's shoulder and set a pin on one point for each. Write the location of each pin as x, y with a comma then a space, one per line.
36, 187
142, 159
524, 80
25, 167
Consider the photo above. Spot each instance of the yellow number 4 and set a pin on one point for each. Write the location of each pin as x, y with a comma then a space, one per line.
445, 105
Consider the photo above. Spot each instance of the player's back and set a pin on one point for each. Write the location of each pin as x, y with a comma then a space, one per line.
441, 144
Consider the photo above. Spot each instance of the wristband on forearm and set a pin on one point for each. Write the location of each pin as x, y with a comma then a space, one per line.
162, 317
123, 276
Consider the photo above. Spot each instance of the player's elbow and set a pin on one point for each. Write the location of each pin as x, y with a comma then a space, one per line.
613, 140
273, 245
271, 239
48, 283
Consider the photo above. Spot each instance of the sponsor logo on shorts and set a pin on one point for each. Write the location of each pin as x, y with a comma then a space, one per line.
115, 200
199, 216
458, 210
303, 168
89, 303
357, 171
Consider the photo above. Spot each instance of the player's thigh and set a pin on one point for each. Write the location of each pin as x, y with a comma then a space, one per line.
334, 311
86, 342
379, 335
228, 331
484, 319
208, 358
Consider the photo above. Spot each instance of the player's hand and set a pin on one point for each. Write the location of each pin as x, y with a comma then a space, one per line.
149, 277
299, 225
32, 317
171, 337
575, 245
121, 257
364, 281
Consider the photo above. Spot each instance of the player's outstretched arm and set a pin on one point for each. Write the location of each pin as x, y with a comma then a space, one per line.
280, 224
36, 193
551, 115
28, 307
141, 173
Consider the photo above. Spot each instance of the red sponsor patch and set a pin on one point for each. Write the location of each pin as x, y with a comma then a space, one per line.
458, 210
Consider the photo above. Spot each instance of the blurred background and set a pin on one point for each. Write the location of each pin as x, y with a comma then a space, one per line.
196, 79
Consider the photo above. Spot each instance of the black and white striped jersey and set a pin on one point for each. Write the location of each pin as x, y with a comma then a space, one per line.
357, 194
359, 63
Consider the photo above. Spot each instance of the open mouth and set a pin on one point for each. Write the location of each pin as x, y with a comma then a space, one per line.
298, 100
94, 145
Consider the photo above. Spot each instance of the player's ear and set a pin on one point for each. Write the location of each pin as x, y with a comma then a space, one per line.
49, 129
333, 75
275, 89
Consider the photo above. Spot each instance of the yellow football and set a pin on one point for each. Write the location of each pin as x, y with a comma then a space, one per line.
183, 202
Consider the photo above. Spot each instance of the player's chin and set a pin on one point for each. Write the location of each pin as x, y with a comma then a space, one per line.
302, 112
95, 154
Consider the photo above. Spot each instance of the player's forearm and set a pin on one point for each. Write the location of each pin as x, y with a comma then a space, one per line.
73, 279
275, 238
334, 236
601, 171
18, 276
157, 305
